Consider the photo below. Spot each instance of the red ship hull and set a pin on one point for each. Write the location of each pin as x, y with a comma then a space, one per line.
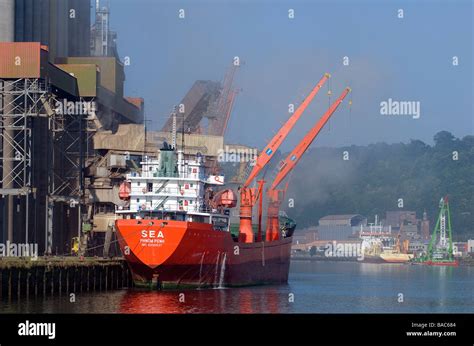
442, 263
180, 254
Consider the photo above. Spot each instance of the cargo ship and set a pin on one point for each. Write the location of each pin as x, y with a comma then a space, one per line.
178, 233
387, 256
175, 231
395, 257
398, 253
381, 246
375, 238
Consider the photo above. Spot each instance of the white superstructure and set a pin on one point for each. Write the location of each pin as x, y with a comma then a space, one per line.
180, 191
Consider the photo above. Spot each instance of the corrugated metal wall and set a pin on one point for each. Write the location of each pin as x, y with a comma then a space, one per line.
7, 20
50, 22
20, 60
335, 232
31, 21
79, 30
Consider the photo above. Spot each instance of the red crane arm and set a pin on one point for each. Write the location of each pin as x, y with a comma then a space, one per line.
276, 141
292, 159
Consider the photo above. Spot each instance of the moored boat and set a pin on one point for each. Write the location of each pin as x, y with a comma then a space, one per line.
176, 232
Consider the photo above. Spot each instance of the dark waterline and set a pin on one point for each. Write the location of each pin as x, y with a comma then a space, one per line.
316, 287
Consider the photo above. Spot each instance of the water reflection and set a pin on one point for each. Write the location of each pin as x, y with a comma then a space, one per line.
240, 300
327, 287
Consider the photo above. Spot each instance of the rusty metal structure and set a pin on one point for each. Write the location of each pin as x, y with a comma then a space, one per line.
206, 108
220, 111
193, 107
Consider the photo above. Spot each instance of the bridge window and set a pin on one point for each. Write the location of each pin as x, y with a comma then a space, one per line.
220, 223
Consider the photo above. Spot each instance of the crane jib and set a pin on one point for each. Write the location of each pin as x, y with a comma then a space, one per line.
278, 139
290, 162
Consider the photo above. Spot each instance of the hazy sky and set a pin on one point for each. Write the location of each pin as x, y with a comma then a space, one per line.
409, 59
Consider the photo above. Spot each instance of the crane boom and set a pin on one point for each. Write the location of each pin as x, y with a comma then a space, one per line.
276, 196
276, 141
221, 110
292, 159
232, 96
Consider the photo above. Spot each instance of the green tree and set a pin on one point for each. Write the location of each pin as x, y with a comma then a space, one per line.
377, 175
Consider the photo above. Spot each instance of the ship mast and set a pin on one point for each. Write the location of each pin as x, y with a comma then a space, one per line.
173, 130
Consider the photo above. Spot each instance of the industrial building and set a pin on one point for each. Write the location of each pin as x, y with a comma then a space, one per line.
56, 95
63, 26
340, 227
409, 226
206, 108
69, 134
398, 217
470, 246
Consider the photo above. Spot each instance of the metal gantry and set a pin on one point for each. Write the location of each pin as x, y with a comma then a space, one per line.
70, 134
42, 157
20, 101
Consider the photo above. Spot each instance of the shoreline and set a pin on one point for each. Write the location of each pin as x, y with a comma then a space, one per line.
466, 262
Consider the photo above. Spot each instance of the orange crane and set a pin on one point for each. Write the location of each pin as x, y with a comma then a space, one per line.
248, 195
275, 196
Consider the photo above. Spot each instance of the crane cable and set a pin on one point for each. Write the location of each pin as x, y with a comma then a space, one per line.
349, 116
329, 101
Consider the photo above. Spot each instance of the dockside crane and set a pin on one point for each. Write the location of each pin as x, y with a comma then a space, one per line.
248, 195
440, 248
221, 110
275, 196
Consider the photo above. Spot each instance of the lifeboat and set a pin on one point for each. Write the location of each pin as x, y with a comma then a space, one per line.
124, 190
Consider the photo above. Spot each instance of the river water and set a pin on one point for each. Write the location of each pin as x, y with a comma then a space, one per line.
314, 287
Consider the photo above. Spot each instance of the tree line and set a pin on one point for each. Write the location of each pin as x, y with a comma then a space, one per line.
370, 180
